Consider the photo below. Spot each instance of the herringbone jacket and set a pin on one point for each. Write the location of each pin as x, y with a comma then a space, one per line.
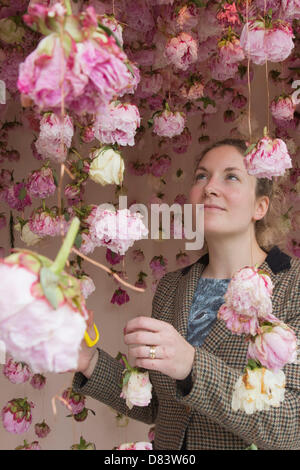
204, 414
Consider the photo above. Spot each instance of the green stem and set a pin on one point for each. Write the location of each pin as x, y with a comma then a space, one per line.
126, 363
68, 7
65, 249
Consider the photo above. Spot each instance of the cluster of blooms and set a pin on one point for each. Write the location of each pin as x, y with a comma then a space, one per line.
270, 41
117, 229
272, 344
117, 123
38, 302
95, 67
136, 385
55, 137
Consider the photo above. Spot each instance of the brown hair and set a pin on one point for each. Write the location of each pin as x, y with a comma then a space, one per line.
268, 230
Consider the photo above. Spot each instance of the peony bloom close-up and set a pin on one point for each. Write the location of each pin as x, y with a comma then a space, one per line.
137, 391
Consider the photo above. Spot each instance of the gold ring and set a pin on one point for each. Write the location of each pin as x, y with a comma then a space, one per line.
152, 352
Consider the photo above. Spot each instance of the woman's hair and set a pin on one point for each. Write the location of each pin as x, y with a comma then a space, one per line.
268, 230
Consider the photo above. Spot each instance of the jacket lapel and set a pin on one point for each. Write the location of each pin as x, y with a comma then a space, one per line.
184, 298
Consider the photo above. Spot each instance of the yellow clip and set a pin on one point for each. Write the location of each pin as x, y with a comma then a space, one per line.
88, 340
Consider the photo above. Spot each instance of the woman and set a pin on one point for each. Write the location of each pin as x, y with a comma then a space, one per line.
195, 359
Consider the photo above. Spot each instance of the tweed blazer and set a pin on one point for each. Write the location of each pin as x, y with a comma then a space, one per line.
203, 416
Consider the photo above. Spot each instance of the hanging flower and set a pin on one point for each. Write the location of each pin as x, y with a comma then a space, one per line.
45, 223
228, 15
32, 446
283, 108
182, 51
83, 445
158, 265
16, 415
75, 400
38, 381
117, 124
168, 124
16, 372
135, 446
267, 158
87, 286
120, 297
149, 85
274, 347
117, 229
187, 17
247, 302
42, 429
136, 386
41, 183
271, 42
159, 164
180, 143
258, 389
112, 257
107, 166
182, 259
138, 256
38, 302
17, 197
55, 137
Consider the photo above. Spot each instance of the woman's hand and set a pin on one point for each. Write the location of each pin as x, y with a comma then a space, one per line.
86, 353
174, 356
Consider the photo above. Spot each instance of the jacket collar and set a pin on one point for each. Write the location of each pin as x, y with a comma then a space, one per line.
276, 259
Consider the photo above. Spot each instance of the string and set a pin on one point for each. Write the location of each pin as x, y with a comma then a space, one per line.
267, 81
248, 76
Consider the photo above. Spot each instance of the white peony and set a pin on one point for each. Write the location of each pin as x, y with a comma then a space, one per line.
27, 236
258, 390
107, 166
138, 390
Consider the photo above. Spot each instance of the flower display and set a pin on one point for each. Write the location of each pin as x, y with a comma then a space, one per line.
168, 124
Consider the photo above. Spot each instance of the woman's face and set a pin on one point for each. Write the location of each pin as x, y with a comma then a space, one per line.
221, 179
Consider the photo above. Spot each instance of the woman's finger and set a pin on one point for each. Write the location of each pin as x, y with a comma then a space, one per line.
142, 337
144, 352
145, 323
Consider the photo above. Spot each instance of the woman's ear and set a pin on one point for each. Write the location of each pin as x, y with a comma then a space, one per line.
262, 206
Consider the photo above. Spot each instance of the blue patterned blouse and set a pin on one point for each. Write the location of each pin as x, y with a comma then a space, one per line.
208, 298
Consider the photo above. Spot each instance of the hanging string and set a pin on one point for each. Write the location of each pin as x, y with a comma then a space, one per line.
62, 166
248, 75
267, 78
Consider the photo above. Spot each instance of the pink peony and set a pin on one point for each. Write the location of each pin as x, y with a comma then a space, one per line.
168, 124
274, 347
149, 85
283, 108
247, 301
16, 372
273, 43
112, 257
117, 124
16, 196
135, 446
158, 265
228, 15
38, 381
87, 286
180, 143
32, 325
55, 137
182, 51
159, 164
120, 297
87, 134
267, 158
41, 183
117, 229
44, 223
75, 400
42, 429
16, 415
138, 256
